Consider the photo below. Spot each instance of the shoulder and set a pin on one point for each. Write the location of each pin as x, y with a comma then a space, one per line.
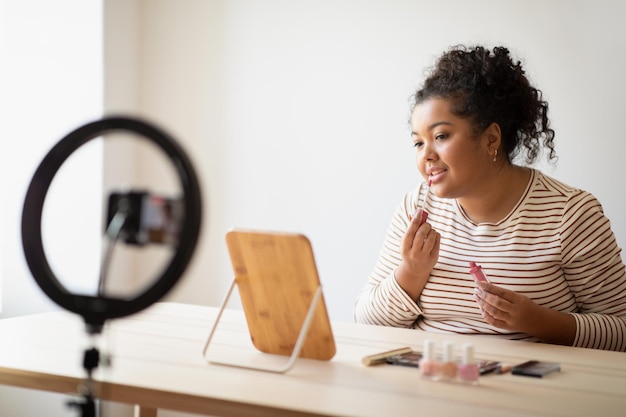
547, 183
578, 209
551, 190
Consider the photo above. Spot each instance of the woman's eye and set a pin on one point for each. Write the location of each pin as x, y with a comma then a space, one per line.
441, 136
417, 144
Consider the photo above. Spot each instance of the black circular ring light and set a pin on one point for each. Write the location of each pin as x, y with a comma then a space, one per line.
97, 309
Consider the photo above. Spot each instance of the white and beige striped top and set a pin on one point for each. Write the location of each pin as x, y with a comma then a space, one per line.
556, 247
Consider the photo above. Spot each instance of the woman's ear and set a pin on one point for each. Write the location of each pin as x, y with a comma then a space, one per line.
493, 136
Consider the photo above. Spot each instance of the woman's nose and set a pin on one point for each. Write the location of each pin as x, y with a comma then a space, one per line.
428, 152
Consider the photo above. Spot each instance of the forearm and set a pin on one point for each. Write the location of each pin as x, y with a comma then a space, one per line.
601, 331
383, 302
552, 326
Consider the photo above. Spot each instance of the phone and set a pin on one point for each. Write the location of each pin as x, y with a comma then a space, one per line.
149, 218
413, 358
535, 368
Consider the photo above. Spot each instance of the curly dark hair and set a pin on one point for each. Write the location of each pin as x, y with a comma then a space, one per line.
486, 87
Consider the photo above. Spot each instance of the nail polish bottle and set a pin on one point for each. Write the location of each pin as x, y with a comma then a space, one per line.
429, 366
448, 368
468, 369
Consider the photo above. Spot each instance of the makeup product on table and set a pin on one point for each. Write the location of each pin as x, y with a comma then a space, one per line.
428, 365
382, 357
448, 367
485, 367
468, 369
537, 369
411, 359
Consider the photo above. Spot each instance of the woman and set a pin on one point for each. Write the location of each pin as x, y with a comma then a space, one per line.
555, 270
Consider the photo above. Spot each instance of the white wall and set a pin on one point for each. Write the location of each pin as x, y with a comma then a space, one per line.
295, 113
51, 82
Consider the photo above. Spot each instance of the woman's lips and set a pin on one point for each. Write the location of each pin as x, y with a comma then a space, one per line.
435, 175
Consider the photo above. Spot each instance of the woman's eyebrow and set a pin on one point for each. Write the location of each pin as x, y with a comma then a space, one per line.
432, 126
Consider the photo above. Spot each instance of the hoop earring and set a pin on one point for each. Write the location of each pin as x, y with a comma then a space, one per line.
495, 155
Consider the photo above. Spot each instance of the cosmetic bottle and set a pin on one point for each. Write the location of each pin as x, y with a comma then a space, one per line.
448, 368
477, 272
468, 369
429, 366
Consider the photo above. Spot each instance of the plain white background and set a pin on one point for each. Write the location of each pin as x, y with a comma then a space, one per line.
296, 112
295, 115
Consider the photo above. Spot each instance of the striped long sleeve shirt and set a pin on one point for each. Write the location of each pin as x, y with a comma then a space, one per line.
556, 247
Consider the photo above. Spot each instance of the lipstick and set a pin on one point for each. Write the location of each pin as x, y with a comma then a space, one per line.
477, 272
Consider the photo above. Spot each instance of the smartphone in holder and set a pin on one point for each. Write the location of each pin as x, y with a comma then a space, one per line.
148, 218
536, 369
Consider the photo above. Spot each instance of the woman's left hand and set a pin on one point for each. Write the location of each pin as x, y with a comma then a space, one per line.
506, 309
515, 312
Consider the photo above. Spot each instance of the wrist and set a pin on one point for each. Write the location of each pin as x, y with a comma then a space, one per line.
410, 281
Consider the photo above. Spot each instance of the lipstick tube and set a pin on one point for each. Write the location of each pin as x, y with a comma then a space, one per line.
477, 272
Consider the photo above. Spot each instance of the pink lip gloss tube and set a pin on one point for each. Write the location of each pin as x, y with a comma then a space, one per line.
424, 215
468, 369
477, 272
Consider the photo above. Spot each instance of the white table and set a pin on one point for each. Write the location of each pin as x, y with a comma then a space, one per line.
158, 364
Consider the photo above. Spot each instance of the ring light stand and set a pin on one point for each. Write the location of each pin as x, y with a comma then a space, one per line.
95, 310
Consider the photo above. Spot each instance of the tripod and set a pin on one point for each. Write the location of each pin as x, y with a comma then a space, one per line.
91, 359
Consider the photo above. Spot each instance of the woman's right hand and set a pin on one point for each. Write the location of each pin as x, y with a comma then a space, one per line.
420, 251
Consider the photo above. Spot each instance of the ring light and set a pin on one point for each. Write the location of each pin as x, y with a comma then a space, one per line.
97, 309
